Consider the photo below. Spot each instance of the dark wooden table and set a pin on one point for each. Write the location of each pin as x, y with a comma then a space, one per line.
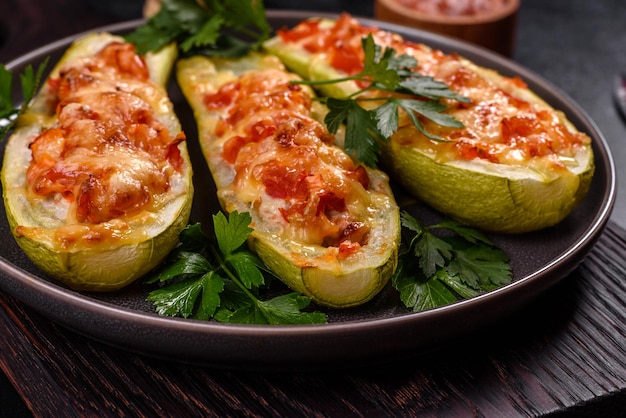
563, 355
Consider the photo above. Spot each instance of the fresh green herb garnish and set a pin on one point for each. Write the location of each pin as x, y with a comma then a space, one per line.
30, 81
435, 271
385, 72
222, 279
220, 28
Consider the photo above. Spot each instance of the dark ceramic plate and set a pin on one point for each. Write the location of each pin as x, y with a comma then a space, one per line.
380, 329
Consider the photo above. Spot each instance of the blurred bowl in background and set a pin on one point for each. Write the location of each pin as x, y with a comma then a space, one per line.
488, 23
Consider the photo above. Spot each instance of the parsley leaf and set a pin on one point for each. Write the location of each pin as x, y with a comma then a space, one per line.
421, 296
393, 78
430, 110
432, 252
382, 69
362, 133
426, 86
180, 298
220, 279
216, 28
231, 233
437, 270
30, 81
480, 266
285, 309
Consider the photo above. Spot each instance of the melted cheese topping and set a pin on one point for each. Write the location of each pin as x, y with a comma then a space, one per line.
504, 123
283, 164
107, 162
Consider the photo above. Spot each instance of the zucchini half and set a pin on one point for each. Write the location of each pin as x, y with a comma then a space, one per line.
109, 254
316, 269
508, 197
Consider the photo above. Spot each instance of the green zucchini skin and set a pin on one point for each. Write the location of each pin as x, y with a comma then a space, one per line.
307, 268
97, 268
494, 197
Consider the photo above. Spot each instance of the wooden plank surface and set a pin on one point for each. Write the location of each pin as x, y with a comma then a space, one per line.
565, 352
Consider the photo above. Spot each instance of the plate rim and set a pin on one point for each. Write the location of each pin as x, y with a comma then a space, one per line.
39, 293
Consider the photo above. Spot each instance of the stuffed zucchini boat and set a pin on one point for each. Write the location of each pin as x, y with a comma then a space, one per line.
326, 227
516, 165
96, 176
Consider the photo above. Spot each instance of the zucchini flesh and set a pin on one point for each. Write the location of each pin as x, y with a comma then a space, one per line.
96, 176
326, 227
517, 165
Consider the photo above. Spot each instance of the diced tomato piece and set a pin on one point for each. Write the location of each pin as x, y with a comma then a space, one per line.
329, 201
173, 152
123, 57
53, 83
296, 208
527, 135
355, 232
55, 179
519, 82
342, 41
303, 30
517, 102
77, 158
468, 151
72, 81
261, 130
232, 147
360, 173
518, 127
284, 183
347, 248
223, 97
347, 59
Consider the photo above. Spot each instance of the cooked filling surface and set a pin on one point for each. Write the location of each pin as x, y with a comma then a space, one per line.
107, 158
284, 164
500, 125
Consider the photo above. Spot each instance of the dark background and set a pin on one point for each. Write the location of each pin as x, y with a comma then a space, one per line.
578, 45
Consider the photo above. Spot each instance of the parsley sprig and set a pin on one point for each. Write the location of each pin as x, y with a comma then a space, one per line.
224, 281
439, 270
221, 279
216, 28
399, 87
30, 79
